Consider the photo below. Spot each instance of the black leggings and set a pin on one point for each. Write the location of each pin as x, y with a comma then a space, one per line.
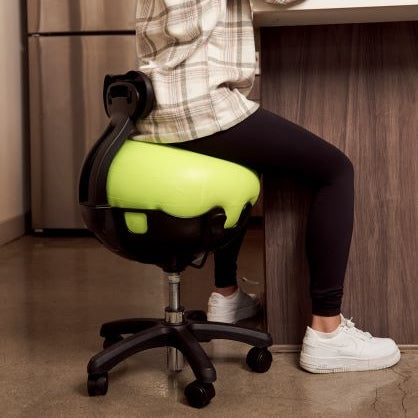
268, 143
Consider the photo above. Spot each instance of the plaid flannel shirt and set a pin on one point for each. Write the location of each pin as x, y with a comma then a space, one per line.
200, 56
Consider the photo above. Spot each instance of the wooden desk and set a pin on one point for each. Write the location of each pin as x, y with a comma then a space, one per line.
323, 12
356, 86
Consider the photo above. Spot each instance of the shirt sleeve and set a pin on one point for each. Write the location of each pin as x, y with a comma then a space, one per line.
172, 30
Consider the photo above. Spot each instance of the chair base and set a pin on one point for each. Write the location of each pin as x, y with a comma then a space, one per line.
185, 336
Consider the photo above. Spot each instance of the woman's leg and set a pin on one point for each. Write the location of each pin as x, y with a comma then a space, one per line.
226, 266
271, 144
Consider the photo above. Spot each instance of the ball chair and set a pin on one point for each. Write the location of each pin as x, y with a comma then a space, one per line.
161, 205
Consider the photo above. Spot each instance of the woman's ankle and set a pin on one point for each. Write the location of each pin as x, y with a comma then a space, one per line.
226, 291
325, 323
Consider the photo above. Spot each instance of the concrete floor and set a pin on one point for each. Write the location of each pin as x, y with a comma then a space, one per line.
55, 293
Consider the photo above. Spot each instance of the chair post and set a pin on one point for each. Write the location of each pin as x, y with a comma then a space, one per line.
174, 291
174, 314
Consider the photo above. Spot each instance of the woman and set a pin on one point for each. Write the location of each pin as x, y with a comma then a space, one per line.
200, 57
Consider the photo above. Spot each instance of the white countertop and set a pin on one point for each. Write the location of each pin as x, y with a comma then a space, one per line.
313, 12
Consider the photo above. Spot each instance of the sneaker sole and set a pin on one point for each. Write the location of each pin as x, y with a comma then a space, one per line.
346, 364
243, 313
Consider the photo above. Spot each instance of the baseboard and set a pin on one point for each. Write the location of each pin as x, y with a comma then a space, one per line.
13, 228
295, 348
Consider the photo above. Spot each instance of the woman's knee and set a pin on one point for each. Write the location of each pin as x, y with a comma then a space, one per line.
343, 167
347, 166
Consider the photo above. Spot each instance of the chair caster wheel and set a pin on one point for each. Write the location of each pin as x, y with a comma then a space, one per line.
199, 394
111, 339
259, 359
97, 384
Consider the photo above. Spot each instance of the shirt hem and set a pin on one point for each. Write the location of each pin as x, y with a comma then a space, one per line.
177, 137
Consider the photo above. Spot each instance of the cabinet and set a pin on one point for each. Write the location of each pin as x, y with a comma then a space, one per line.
356, 86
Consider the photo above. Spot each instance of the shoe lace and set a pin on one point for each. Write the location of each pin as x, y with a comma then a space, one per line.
350, 326
245, 280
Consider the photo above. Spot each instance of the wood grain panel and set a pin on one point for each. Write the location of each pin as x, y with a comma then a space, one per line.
355, 86
255, 95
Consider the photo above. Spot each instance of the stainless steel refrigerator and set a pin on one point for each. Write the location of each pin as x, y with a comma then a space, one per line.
73, 44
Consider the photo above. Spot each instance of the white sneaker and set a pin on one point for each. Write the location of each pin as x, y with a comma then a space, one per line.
346, 349
233, 308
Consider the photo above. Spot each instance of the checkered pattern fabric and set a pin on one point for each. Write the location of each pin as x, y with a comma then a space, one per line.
200, 56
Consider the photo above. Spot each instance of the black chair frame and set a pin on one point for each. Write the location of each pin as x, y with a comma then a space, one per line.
171, 243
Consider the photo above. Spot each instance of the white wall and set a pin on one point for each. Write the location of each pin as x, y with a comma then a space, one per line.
13, 185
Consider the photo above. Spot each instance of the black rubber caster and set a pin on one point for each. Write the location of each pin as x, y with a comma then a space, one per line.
111, 339
259, 359
97, 384
199, 394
